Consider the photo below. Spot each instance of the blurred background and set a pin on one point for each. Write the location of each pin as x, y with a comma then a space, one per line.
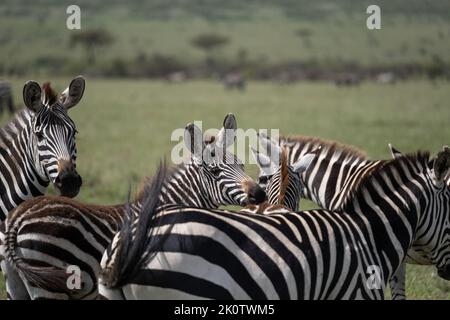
285, 40
303, 67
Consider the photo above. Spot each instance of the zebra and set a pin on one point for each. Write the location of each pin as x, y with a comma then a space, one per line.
194, 253
47, 234
414, 255
38, 147
234, 80
284, 187
6, 97
330, 179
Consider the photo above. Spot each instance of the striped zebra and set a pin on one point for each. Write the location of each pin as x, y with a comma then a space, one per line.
333, 175
331, 179
284, 187
415, 254
46, 235
193, 253
38, 147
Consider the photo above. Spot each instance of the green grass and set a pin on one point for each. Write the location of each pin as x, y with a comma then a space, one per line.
125, 126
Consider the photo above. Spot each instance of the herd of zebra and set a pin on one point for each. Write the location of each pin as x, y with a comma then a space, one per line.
171, 241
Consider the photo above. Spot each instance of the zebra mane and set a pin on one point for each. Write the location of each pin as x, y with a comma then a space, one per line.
147, 181
327, 145
50, 95
284, 183
420, 158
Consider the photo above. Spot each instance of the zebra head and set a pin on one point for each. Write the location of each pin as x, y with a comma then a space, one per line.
221, 173
53, 133
395, 153
433, 231
280, 179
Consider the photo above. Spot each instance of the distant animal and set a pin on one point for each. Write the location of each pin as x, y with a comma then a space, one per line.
6, 97
234, 80
385, 78
347, 80
177, 77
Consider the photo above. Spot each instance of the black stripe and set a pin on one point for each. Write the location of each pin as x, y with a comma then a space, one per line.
183, 282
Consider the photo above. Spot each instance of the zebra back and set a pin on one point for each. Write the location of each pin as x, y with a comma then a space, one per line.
333, 174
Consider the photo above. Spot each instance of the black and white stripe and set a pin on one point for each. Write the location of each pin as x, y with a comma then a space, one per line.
283, 187
38, 147
331, 179
34, 142
316, 254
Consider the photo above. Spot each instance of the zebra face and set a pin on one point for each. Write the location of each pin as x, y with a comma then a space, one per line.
230, 184
282, 180
53, 134
223, 176
433, 235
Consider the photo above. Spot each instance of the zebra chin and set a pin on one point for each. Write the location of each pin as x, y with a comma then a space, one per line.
68, 185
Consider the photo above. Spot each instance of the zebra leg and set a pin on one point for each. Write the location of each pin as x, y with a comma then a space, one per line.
397, 283
15, 288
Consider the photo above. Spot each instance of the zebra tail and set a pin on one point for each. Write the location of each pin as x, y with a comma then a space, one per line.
45, 277
134, 239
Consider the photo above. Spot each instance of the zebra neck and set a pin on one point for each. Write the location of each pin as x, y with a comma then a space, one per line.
19, 177
185, 187
388, 223
330, 179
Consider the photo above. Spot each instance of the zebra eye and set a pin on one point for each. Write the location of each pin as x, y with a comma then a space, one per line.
215, 171
39, 135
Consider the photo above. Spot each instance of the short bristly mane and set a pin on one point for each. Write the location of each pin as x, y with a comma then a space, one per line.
420, 158
50, 95
346, 150
144, 185
284, 175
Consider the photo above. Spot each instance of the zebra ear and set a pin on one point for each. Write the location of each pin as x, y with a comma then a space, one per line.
441, 165
394, 152
271, 147
32, 93
73, 93
193, 138
227, 134
265, 163
305, 161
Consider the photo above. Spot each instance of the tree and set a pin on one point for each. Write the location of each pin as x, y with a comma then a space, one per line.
209, 42
90, 39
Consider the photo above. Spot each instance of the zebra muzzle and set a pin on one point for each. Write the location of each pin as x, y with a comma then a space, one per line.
68, 183
256, 194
